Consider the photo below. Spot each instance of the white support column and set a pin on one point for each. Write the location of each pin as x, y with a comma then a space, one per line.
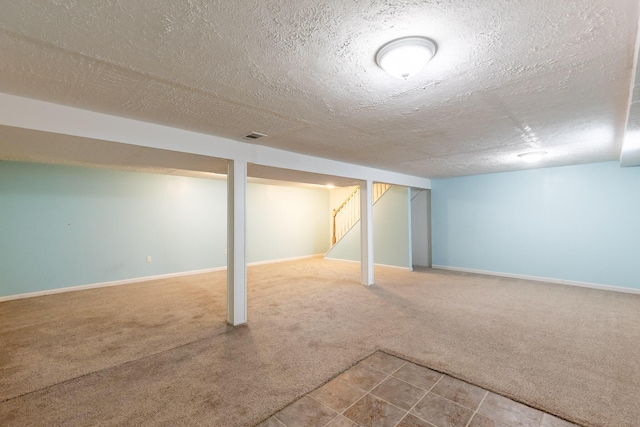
366, 232
236, 229
409, 222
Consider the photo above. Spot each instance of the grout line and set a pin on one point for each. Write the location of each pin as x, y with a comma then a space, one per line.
323, 404
376, 384
404, 410
368, 392
454, 402
428, 391
541, 419
413, 415
399, 367
331, 420
395, 406
417, 386
419, 400
414, 405
278, 420
478, 408
382, 372
349, 407
436, 383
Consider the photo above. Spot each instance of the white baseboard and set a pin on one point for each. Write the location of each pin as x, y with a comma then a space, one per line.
541, 279
273, 261
375, 263
107, 284
139, 279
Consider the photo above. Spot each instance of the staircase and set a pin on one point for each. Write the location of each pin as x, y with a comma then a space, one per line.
348, 213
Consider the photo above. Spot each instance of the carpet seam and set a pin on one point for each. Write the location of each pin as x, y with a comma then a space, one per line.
116, 366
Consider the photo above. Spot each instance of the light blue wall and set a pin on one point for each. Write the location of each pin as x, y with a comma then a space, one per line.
578, 223
286, 222
391, 232
64, 226
348, 247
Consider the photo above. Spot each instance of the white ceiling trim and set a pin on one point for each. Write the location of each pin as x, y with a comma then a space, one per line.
48, 117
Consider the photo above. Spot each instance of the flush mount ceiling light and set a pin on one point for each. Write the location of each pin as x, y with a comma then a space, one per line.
406, 56
533, 156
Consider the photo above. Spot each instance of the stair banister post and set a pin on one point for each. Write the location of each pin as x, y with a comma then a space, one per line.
333, 233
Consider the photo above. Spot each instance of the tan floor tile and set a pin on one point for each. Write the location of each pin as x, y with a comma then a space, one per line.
413, 421
373, 412
460, 392
306, 412
449, 403
551, 421
270, 422
341, 421
363, 377
399, 393
383, 362
505, 410
480, 420
418, 375
442, 412
337, 394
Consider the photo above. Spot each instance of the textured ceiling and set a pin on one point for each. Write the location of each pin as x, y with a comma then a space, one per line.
509, 76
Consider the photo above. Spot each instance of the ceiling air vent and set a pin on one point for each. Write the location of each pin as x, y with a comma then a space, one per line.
253, 136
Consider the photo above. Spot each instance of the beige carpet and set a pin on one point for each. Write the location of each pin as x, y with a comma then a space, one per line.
159, 353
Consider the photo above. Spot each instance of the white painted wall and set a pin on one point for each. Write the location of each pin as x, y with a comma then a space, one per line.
286, 222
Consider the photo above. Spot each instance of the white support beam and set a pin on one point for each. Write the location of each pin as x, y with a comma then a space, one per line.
236, 242
366, 232
630, 152
26, 113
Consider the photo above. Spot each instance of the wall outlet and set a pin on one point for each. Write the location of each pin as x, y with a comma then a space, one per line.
148, 259
225, 251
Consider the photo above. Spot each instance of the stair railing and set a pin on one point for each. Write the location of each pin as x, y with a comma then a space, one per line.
348, 213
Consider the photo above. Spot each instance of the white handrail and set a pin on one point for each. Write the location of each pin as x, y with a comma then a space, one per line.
348, 214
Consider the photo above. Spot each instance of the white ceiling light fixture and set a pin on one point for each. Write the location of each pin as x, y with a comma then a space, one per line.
532, 156
405, 57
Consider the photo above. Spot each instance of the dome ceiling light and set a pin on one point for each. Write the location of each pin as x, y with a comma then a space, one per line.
406, 56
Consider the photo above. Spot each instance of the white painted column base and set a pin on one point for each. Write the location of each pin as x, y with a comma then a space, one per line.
236, 242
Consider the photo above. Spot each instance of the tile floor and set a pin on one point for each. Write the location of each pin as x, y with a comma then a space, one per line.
385, 391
